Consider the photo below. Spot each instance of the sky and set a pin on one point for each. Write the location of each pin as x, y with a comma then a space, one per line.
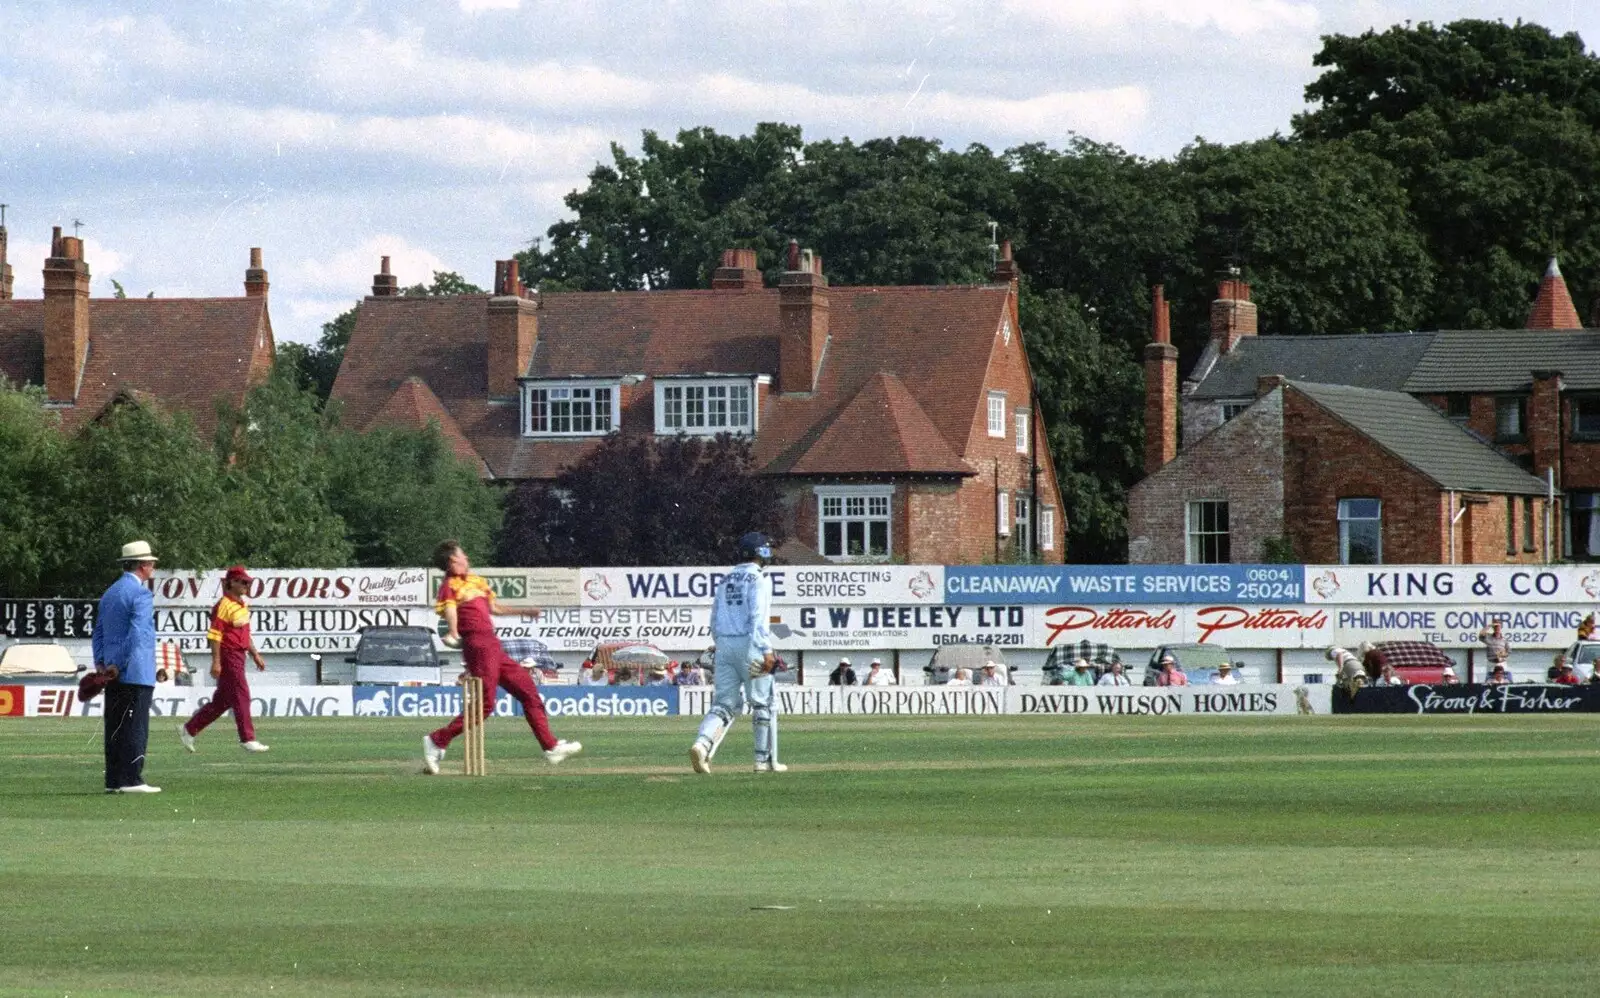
445, 133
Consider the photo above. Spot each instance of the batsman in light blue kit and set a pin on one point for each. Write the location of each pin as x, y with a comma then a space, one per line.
744, 661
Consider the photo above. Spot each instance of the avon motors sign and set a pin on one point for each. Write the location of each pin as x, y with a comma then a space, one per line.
1122, 584
299, 587
865, 627
853, 584
1226, 625
1426, 584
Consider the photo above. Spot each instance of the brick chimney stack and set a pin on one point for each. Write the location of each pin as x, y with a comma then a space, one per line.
738, 271
1552, 307
1006, 270
6, 275
66, 317
1233, 314
513, 331
1160, 387
255, 277
385, 284
803, 315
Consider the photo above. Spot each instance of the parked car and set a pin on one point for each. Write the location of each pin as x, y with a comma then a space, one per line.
1583, 655
43, 660
396, 655
1199, 662
1413, 661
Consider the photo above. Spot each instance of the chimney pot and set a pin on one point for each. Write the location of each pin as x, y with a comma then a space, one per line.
803, 318
1233, 314
1160, 316
738, 271
384, 283
255, 277
792, 260
66, 317
1006, 270
1160, 406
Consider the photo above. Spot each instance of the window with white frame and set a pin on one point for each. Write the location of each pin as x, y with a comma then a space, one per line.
1361, 531
997, 414
1002, 514
1231, 410
1209, 542
1022, 431
569, 410
853, 523
704, 406
1047, 528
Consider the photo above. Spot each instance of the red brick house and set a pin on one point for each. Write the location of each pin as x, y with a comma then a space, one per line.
185, 353
1441, 447
899, 420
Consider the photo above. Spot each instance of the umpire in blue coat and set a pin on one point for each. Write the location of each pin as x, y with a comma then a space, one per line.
125, 637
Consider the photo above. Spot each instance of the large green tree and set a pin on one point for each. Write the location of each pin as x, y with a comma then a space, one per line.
34, 478
1493, 131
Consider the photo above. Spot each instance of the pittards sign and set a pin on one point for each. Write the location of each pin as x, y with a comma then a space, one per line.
1227, 626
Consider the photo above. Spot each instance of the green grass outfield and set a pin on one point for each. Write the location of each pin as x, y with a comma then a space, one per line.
952, 856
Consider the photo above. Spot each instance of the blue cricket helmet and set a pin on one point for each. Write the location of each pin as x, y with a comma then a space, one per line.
755, 544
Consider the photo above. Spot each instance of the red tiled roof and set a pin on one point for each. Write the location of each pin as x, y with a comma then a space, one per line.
413, 406
884, 423
186, 352
935, 340
1553, 308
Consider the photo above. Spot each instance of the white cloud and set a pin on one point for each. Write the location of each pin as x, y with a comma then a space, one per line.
475, 6
348, 271
368, 67
1237, 18
27, 257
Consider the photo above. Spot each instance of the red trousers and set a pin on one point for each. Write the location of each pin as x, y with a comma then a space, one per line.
490, 663
232, 693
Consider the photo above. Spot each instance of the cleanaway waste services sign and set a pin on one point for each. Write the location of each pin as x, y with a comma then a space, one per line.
1122, 584
790, 584
1426, 584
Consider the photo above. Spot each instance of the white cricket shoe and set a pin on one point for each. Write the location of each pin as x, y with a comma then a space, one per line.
699, 758
254, 746
186, 738
563, 751
771, 767
138, 788
432, 755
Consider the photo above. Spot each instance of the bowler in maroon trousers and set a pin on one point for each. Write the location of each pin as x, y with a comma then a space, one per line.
230, 642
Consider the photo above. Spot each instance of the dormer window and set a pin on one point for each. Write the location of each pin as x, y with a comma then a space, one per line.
569, 408
706, 406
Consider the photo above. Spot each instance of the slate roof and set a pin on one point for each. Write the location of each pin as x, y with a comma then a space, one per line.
1419, 435
186, 352
1367, 360
1501, 360
935, 341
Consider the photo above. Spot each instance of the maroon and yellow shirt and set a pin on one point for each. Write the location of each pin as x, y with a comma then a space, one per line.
230, 629
469, 594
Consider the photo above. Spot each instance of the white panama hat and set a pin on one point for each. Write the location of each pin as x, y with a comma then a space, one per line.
137, 551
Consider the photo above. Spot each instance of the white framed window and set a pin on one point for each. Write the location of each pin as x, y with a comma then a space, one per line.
997, 414
1361, 531
1022, 431
705, 407
1232, 409
1047, 528
1208, 532
1022, 513
1002, 514
854, 522
569, 409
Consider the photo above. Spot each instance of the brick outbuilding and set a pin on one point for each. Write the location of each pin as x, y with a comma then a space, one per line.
1441, 447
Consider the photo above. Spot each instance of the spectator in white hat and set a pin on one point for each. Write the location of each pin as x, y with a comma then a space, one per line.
877, 675
843, 675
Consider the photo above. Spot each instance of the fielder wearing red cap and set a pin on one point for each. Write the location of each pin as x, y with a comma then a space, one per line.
230, 642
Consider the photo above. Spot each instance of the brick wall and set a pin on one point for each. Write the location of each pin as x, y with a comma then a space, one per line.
1199, 418
1241, 462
